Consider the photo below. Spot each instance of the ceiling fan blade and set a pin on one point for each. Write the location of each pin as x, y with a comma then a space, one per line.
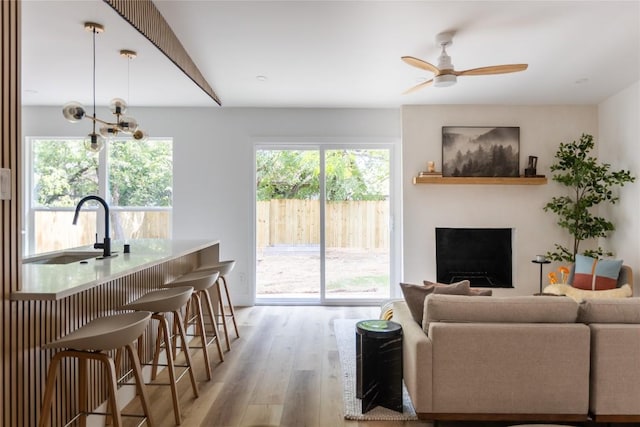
418, 87
495, 69
419, 63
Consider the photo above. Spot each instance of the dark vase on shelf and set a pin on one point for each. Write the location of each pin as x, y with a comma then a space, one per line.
530, 170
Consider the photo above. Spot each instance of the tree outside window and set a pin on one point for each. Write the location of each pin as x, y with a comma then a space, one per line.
139, 183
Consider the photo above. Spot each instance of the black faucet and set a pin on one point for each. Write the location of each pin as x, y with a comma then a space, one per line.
106, 245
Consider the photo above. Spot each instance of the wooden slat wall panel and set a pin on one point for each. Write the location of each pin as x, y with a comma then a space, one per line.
9, 209
147, 19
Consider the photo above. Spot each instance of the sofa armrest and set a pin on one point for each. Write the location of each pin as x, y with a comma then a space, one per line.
416, 359
615, 372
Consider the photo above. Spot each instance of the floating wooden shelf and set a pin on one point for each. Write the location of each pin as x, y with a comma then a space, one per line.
521, 180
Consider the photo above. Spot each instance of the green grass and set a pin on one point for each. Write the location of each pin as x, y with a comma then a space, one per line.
359, 284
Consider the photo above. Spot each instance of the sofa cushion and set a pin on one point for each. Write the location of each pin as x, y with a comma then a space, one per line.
625, 310
524, 309
414, 295
456, 289
460, 288
595, 274
480, 292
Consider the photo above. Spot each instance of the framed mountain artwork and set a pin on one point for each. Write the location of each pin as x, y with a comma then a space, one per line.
480, 151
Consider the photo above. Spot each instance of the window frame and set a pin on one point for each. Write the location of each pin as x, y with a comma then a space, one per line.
30, 209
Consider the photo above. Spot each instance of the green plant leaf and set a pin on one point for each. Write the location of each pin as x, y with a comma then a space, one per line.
589, 184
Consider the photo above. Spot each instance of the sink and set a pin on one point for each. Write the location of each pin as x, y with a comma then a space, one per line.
66, 257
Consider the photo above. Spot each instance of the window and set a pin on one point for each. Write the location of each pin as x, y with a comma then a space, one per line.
135, 178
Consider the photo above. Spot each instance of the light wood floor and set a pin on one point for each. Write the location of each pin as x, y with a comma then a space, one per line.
283, 371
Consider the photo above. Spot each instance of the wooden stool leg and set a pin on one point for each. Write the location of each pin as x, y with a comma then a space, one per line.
112, 386
171, 368
140, 347
233, 313
209, 304
222, 314
174, 335
83, 388
203, 334
117, 362
187, 312
156, 353
141, 388
185, 350
52, 373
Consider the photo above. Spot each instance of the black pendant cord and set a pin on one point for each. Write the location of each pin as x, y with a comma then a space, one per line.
94, 81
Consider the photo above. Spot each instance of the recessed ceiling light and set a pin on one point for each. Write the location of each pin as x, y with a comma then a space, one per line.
582, 81
261, 78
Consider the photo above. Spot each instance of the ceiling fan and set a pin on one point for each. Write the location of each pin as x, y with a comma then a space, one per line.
445, 74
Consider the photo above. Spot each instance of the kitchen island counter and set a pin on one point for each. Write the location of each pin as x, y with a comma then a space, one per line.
56, 281
54, 300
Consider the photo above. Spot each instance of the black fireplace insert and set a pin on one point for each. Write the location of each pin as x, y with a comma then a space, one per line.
480, 255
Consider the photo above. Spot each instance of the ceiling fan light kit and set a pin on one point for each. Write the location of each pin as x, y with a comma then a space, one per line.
445, 80
75, 112
445, 73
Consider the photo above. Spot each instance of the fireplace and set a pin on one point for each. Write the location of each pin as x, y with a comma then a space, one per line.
480, 255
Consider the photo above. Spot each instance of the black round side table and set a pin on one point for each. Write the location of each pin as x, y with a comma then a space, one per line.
535, 261
379, 364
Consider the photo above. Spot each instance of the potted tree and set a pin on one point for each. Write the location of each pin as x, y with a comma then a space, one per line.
590, 183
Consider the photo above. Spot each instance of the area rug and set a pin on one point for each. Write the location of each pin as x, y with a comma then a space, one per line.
345, 337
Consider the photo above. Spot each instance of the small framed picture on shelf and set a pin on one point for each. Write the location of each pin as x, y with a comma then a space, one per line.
480, 151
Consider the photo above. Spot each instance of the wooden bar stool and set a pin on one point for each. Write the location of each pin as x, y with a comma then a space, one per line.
160, 303
201, 283
90, 342
224, 268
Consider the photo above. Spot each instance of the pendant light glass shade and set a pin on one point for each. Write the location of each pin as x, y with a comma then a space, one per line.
94, 142
108, 131
128, 124
140, 135
118, 106
73, 111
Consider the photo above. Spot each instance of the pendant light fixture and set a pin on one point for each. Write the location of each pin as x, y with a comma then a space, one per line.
118, 107
74, 111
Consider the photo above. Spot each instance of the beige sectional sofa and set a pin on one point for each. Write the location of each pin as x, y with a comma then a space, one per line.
615, 358
527, 358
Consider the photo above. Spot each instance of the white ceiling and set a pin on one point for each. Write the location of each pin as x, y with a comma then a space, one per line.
335, 53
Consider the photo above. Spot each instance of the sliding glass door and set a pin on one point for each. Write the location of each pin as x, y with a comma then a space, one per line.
287, 224
322, 224
356, 224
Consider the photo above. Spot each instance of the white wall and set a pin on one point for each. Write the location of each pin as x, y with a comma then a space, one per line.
426, 207
213, 162
619, 128
213, 165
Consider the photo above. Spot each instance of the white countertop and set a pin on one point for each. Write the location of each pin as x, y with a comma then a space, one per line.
57, 281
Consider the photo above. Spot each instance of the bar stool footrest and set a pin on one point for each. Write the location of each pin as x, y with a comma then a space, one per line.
178, 378
143, 417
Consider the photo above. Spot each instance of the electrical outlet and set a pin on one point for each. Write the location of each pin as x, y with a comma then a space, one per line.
5, 184
243, 278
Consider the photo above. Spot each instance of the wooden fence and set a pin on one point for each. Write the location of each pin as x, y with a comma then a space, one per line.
54, 230
351, 224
